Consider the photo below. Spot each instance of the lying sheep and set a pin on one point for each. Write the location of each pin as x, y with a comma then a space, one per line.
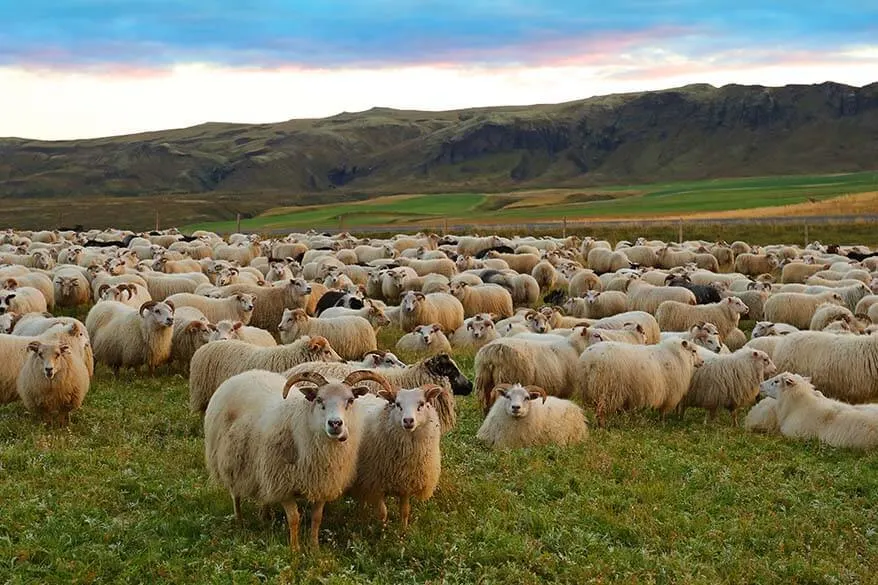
841, 366
616, 376
702, 334
797, 309
227, 329
351, 336
127, 337
399, 452
474, 333
726, 314
263, 442
528, 320
216, 362
762, 418
727, 381
803, 413
53, 381
377, 359
597, 304
548, 363
768, 329
237, 307
371, 311
484, 298
629, 333
425, 340
22, 300
419, 309
527, 417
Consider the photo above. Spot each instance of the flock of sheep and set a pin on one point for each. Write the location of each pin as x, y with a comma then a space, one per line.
279, 340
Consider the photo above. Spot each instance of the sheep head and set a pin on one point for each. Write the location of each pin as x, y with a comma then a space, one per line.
411, 407
442, 366
785, 382
518, 398
161, 313
50, 354
321, 351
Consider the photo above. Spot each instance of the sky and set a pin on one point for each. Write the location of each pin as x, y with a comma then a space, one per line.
90, 68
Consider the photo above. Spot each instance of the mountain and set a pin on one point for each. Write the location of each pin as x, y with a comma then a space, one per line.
692, 132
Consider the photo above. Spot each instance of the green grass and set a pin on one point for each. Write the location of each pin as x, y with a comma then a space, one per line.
661, 199
122, 496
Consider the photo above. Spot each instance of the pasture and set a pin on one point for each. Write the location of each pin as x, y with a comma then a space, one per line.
122, 496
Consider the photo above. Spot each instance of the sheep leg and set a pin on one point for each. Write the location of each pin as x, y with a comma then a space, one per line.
236, 506
292, 511
710, 417
382, 511
734, 413
316, 519
405, 511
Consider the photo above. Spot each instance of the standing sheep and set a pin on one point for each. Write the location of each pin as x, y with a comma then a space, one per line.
270, 301
527, 417
615, 376
597, 304
484, 298
726, 314
420, 309
350, 336
797, 309
237, 307
399, 452
265, 443
53, 381
126, 337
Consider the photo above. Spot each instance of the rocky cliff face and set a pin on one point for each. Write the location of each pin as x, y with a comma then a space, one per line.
687, 133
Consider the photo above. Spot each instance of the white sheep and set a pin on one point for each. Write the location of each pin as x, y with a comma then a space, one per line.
597, 304
803, 413
615, 376
727, 381
475, 332
128, 293
53, 380
425, 340
420, 309
829, 313
797, 309
762, 418
643, 296
271, 301
620, 321
526, 417
228, 329
237, 307
726, 314
127, 337
71, 288
702, 334
22, 300
265, 443
484, 298
350, 336
399, 452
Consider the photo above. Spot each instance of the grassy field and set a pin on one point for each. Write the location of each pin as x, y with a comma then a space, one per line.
694, 198
122, 496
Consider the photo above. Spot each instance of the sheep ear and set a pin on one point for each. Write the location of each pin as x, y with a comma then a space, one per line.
33, 346
309, 392
65, 349
685, 344
359, 391
432, 392
237, 325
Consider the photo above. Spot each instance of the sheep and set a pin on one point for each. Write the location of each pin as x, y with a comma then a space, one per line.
865, 304
161, 286
753, 264
548, 363
271, 301
841, 366
443, 266
127, 293
521, 263
629, 333
797, 309
127, 337
614, 376
188, 336
727, 381
704, 293
602, 260
53, 381
643, 296
419, 309
524, 288
645, 320
8, 321
350, 336
425, 340
216, 362
366, 254
767, 328
545, 275
762, 418
399, 452
735, 340
526, 417
22, 300
582, 281
597, 304
803, 413
238, 307
798, 272
484, 298
377, 359
227, 329
701, 334
263, 442
754, 299
474, 333
674, 316
828, 313
39, 281
850, 295
525, 320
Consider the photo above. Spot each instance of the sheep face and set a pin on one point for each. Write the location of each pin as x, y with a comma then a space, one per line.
50, 356
781, 383
161, 314
382, 359
331, 405
536, 322
300, 286
737, 305
225, 330
763, 329
518, 399
321, 351
411, 300
292, 318
67, 285
410, 407
428, 333
479, 328
7, 322
6, 299
444, 367
768, 367
246, 301
702, 335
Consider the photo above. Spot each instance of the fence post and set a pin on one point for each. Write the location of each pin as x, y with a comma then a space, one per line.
156, 220
238, 223
564, 229
680, 232
444, 226
807, 239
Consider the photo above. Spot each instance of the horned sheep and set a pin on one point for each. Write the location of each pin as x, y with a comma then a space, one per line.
126, 337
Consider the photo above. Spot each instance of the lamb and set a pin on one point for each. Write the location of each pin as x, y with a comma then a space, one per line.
549, 363
8, 321
798, 272
803, 413
484, 298
527, 417
701, 334
228, 329
797, 309
271, 301
842, 366
216, 362
351, 336
727, 381
399, 452
237, 307
474, 333
615, 376
754, 299
828, 313
189, 335
674, 316
22, 300
762, 418
53, 381
597, 304
127, 337
768, 328
419, 309
263, 442
645, 320
425, 340
643, 296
